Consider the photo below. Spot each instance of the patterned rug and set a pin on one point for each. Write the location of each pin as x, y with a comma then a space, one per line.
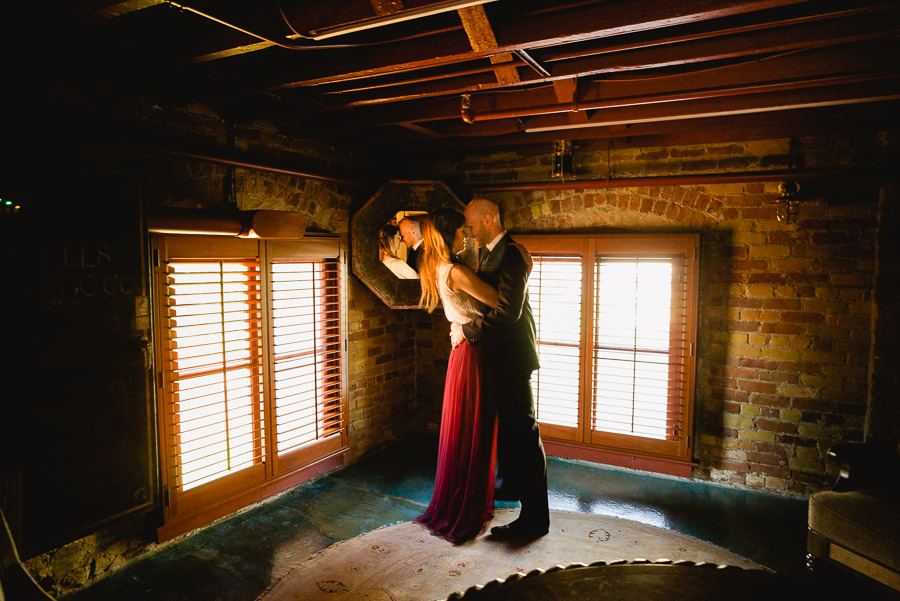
404, 562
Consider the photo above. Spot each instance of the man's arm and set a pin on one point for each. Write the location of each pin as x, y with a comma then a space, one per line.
513, 272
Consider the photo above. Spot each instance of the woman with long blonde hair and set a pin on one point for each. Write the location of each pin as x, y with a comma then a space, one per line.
463, 498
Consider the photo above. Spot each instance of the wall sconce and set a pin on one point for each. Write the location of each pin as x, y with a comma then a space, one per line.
562, 160
787, 206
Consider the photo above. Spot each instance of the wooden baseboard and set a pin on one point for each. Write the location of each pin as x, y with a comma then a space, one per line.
657, 465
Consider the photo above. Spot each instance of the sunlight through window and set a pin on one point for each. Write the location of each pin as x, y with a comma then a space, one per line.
615, 317
215, 361
631, 345
554, 289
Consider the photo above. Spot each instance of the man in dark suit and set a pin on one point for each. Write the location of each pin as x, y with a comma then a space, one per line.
412, 237
507, 334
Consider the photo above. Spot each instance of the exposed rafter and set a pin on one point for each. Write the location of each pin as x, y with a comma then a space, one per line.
395, 71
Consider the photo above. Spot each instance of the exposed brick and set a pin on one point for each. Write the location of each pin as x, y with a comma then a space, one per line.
774, 426
771, 470
781, 328
757, 386
768, 278
769, 400
802, 317
759, 363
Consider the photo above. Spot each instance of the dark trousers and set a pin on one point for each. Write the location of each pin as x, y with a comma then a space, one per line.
521, 461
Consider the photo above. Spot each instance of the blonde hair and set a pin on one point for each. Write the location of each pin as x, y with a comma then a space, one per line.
434, 252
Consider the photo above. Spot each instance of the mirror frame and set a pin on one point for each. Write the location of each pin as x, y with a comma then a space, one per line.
393, 196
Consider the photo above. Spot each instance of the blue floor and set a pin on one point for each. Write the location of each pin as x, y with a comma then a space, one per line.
237, 558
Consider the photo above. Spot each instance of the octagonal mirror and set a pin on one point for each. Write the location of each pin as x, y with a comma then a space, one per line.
380, 239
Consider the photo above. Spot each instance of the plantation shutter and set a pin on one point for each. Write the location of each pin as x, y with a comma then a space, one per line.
554, 289
307, 380
616, 319
214, 369
252, 373
306, 332
639, 334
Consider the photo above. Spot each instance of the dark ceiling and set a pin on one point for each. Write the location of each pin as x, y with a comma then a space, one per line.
489, 74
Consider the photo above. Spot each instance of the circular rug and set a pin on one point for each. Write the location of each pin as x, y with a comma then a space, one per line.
405, 562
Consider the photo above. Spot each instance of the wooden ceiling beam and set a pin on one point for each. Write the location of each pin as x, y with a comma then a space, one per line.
567, 93
793, 70
787, 70
788, 17
481, 37
692, 108
108, 9
756, 126
534, 30
740, 46
386, 7
753, 44
422, 130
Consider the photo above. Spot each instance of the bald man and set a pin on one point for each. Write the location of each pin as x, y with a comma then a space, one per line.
507, 334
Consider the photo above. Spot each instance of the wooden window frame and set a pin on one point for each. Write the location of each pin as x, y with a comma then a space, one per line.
186, 510
580, 442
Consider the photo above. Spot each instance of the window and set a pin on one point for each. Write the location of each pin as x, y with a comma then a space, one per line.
616, 322
250, 369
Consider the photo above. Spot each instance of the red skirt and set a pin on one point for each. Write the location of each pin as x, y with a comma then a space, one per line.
463, 499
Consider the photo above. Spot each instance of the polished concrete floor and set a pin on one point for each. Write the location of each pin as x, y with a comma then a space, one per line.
237, 558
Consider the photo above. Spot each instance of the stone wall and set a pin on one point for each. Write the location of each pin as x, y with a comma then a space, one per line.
786, 324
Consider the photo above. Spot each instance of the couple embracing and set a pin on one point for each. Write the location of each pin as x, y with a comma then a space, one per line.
488, 409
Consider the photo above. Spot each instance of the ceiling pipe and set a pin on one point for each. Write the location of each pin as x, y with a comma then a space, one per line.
675, 180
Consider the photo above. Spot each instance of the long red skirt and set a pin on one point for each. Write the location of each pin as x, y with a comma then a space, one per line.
463, 499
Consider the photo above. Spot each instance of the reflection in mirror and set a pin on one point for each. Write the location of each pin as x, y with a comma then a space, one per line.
394, 202
398, 242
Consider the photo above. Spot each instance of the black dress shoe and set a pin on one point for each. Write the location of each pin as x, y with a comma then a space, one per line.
519, 530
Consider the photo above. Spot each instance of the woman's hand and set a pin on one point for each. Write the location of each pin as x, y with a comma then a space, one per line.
525, 255
456, 334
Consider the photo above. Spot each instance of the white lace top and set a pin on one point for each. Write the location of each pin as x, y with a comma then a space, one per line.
458, 306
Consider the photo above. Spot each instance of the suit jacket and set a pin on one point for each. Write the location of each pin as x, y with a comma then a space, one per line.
507, 331
414, 257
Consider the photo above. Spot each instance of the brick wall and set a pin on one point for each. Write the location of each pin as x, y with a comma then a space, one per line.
382, 358
433, 352
786, 325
